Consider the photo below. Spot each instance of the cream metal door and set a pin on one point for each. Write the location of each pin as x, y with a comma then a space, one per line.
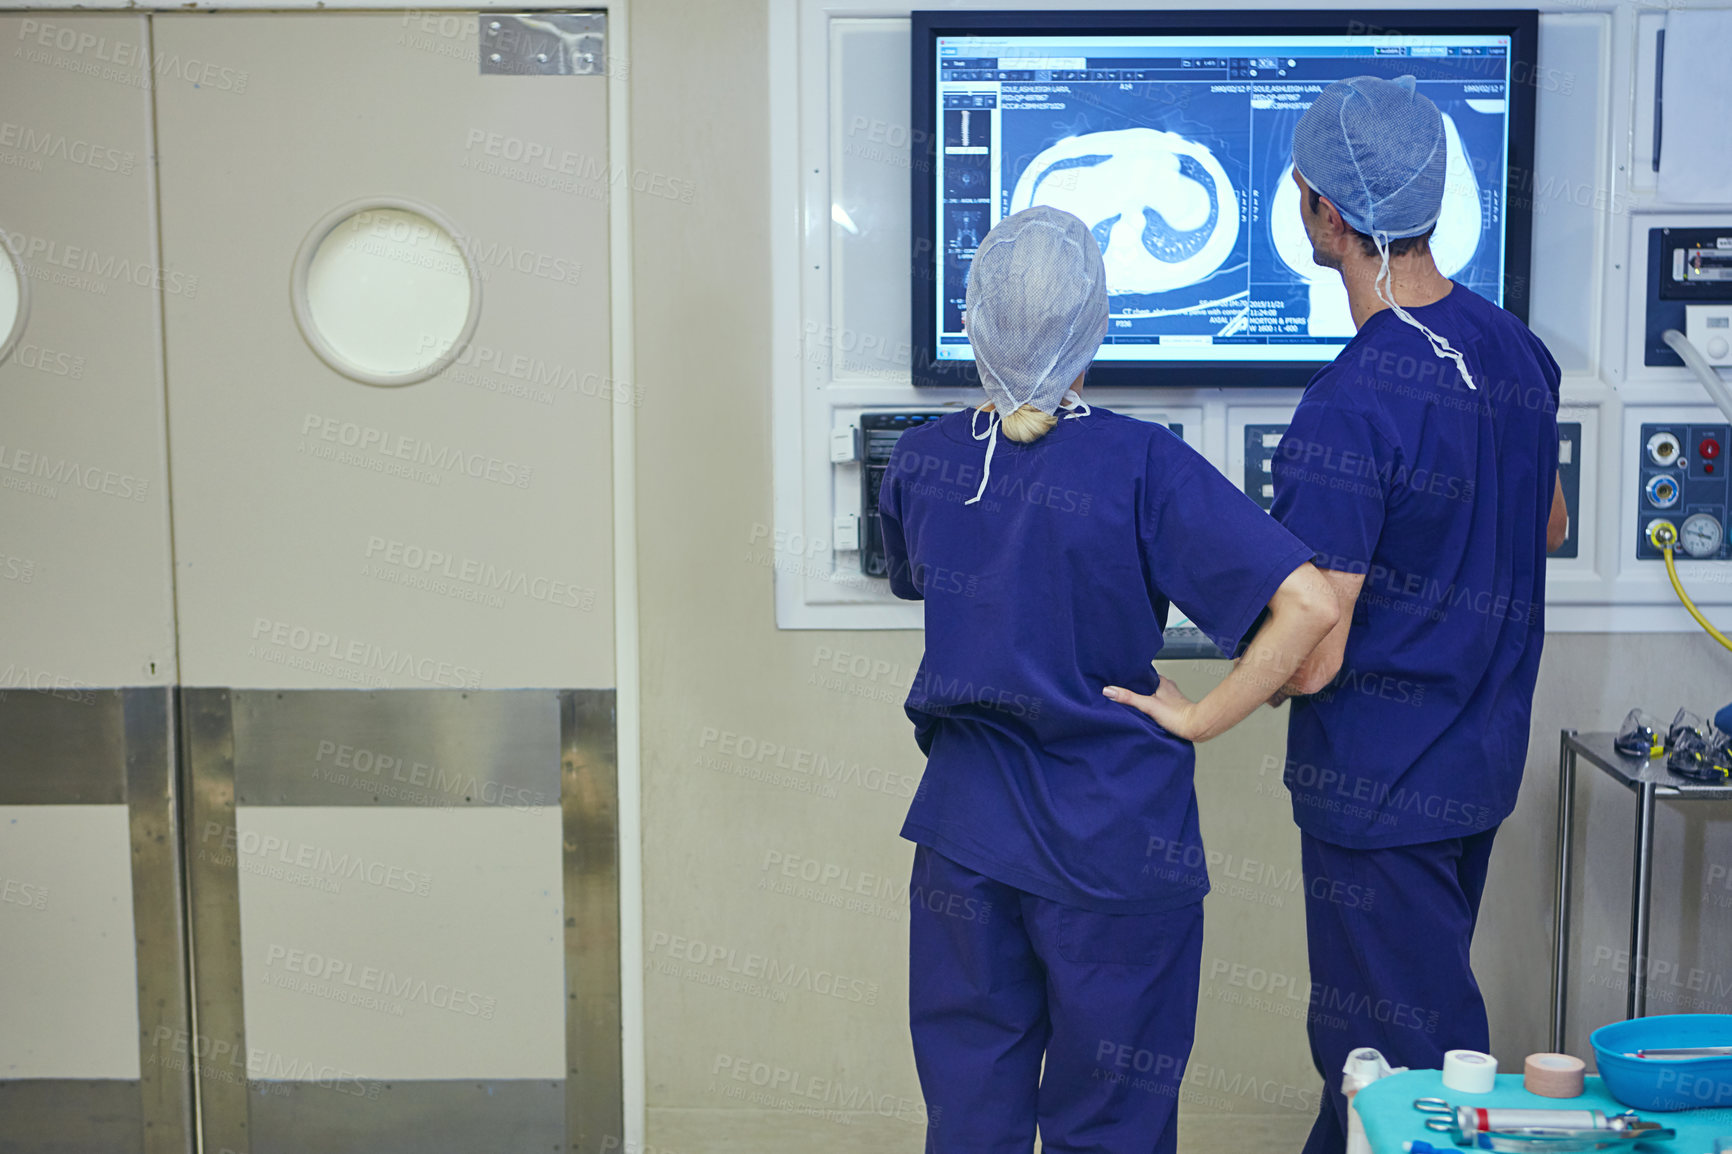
389, 412
93, 1010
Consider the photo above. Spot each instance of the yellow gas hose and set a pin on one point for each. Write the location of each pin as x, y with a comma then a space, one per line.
1663, 536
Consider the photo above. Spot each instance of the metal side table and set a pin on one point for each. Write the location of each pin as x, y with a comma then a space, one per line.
1649, 781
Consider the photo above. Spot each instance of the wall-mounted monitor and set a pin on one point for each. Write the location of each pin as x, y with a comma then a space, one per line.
1170, 135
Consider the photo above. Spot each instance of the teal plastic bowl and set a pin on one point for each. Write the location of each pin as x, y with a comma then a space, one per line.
1673, 1084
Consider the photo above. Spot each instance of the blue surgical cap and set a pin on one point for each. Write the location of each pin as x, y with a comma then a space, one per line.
1036, 307
1376, 149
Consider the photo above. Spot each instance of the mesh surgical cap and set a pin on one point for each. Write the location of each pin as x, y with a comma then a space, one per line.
1376, 148
1036, 307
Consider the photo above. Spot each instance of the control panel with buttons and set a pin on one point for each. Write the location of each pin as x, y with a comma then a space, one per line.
1261, 441
1689, 289
1684, 482
876, 437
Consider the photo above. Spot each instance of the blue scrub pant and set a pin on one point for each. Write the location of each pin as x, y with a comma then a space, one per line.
1388, 932
1000, 979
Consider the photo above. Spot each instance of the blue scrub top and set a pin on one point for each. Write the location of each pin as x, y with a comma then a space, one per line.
1053, 586
1440, 495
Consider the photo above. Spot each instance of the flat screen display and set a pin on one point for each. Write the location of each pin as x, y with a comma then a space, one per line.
1172, 140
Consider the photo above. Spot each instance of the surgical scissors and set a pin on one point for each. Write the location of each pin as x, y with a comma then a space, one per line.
1533, 1131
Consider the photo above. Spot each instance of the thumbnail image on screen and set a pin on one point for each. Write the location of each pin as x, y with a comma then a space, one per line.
1176, 152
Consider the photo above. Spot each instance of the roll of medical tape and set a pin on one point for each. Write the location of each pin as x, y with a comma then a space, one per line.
1553, 1075
1469, 1071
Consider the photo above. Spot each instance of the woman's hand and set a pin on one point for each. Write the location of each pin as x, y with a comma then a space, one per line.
1302, 613
1172, 710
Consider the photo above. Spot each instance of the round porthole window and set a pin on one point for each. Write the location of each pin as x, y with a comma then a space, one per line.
384, 292
14, 300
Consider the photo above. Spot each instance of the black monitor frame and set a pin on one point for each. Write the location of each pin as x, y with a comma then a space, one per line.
1520, 25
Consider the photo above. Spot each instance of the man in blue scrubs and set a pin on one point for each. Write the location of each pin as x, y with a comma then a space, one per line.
1420, 468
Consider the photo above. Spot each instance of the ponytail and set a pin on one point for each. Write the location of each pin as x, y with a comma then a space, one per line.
1027, 424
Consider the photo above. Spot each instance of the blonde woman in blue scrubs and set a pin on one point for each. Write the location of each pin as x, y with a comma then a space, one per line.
1056, 912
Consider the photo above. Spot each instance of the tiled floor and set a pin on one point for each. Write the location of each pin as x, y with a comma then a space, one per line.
720, 1131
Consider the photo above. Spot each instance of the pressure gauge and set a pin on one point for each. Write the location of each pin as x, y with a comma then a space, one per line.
1701, 535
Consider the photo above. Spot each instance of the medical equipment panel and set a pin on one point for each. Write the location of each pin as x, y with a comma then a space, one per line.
1570, 477
879, 433
1261, 443
1690, 289
1682, 479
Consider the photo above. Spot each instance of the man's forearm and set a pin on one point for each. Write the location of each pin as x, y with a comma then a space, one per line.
1321, 665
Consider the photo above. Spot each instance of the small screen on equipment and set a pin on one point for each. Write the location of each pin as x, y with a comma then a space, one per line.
1171, 137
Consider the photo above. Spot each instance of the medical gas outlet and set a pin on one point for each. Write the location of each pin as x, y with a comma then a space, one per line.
1663, 448
1701, 535
1684, 492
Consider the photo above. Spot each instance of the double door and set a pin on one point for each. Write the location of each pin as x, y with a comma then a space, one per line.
307, 801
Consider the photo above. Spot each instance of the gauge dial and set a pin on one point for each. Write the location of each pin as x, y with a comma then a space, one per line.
1701, 535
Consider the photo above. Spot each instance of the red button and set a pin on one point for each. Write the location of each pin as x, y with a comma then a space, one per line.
1709, 448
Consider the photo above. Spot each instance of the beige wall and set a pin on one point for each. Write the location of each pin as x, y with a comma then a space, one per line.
721, 681
715, 664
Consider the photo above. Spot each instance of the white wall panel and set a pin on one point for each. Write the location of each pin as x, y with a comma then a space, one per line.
1570, 186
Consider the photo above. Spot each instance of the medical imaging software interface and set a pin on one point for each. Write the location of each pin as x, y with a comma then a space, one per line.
1176, 152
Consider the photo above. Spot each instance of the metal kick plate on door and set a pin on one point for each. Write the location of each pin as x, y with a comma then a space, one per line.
543, 44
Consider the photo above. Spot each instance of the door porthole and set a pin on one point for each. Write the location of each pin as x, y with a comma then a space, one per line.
14, 297
385, 292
